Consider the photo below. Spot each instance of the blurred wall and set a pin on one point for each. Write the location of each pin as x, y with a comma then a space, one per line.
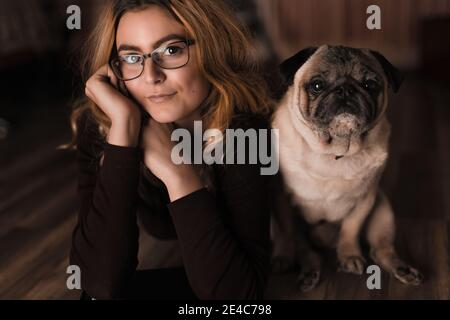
295, 24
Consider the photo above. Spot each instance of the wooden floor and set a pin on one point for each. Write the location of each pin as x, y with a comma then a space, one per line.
38, 205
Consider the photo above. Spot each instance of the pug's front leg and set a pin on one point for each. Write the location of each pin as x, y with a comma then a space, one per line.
349, 253
282, 233
381, 235
283, 248
309, 261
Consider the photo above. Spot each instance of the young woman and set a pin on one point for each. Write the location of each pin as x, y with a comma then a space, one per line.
156, 65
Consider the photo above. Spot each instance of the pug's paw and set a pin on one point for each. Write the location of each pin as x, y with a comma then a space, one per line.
408, 275
352, 264
308, 279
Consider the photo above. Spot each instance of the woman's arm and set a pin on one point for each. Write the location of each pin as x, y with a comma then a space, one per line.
225, 242
105, 240
152, 208
226, 251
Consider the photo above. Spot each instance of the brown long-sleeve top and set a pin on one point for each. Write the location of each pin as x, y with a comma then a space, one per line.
224, 235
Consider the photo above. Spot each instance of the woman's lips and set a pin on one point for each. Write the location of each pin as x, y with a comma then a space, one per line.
161, 97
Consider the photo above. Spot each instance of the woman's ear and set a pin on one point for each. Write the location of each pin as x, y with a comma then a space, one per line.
289, 67
394, 76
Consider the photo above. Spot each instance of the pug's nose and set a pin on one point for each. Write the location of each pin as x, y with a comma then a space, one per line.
345, 90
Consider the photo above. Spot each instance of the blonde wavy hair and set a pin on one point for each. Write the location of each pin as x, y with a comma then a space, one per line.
225, 55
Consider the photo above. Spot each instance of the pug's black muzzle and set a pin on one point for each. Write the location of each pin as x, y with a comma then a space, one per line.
346, 98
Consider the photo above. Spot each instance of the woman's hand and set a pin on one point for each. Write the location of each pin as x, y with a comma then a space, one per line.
180, 180
104, 89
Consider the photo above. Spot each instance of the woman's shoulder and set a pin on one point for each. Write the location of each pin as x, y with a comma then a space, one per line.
88, 137
255, 127
249, 121
86, 124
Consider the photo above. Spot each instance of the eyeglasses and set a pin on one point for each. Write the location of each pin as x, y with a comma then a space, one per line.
172, 55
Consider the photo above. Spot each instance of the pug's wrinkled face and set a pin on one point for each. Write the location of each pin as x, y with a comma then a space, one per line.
340, 91
345, 91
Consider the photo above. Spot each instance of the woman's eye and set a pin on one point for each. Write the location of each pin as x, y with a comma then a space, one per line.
172, 50
131, 59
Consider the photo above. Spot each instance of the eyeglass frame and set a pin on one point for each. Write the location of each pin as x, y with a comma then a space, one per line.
188, 42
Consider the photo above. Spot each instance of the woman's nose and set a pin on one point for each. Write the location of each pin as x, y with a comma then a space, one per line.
152, 72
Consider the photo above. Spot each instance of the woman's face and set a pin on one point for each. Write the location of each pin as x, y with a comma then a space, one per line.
183, 89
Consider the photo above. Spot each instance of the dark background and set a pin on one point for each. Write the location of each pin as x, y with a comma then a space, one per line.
39, 82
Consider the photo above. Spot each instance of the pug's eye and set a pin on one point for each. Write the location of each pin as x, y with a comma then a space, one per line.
317, 86
370, 85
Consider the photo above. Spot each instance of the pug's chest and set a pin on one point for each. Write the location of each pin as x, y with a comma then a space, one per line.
325, 202
329, 190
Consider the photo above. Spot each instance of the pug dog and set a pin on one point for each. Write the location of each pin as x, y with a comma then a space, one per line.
333, 147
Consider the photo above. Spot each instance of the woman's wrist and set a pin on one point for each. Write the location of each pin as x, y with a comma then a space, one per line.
125, 133
182, 181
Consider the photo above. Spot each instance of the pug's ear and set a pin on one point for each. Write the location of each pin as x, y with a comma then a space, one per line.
289, 67
394, 76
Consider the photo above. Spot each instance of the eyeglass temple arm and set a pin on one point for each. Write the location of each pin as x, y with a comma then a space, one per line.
188, 42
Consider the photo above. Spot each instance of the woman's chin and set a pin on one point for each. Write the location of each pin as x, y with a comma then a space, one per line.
163, 117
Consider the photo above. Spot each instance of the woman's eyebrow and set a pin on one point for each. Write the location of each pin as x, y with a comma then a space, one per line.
127, 47
173, 36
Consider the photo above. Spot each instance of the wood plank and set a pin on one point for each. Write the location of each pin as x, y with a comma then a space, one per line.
420, 243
